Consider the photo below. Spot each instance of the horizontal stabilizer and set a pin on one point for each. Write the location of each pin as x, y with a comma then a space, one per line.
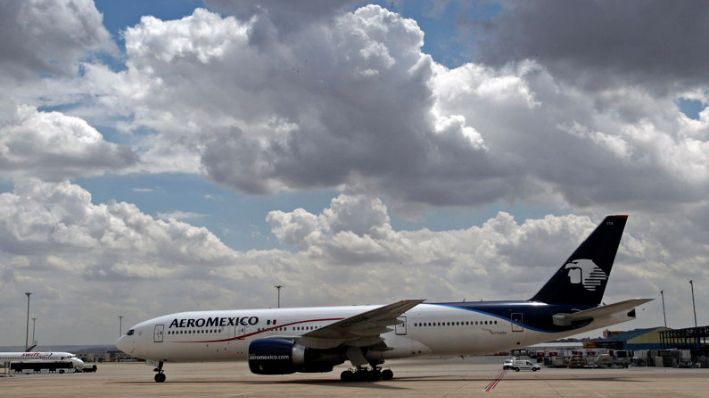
598, 312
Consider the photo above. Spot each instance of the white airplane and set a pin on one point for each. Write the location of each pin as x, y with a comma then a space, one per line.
289, 340
37, 361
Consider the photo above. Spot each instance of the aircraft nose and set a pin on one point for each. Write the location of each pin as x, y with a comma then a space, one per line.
123, 344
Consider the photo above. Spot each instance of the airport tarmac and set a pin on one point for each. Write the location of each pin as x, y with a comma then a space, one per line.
421, 378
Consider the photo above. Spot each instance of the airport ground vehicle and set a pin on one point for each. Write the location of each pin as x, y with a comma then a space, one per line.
521, 364
508, 363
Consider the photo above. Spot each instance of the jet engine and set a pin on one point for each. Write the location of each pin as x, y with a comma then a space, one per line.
283, 356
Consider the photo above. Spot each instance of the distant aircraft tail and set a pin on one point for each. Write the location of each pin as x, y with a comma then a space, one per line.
583, 277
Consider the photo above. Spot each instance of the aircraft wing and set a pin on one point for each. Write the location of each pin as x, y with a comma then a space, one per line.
359, 330
598, 312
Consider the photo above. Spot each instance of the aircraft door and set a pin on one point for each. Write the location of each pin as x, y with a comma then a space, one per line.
516, 318
400, 328
158, 333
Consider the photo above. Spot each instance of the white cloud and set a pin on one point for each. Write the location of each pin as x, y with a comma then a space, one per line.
40, 220
597, 44
349, 99
344, 100
45, 37
622, 145
54, 146
352, 100
180, 215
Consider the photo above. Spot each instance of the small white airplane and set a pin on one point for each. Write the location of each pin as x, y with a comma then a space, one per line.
19, 361
289, 340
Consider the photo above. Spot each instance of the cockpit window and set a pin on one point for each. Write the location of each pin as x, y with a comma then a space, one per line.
130, 332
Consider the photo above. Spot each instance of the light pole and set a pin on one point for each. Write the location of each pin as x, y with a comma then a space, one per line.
278, 295
664, 316
34, 323
120, 325
694, 308
27, 329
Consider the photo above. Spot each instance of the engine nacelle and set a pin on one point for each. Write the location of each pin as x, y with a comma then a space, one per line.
284, 356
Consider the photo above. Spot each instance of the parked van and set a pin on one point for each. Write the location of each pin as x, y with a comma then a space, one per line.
520, 364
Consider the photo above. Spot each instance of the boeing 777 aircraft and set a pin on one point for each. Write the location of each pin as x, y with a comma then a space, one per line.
289, 340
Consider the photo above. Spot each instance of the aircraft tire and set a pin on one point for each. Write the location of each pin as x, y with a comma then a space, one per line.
375, 375
160, 377
347, 376
361, 375
387, 374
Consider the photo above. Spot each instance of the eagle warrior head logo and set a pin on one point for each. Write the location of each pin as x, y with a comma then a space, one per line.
585, 271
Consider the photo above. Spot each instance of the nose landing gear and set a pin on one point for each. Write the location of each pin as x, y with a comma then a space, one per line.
160, 375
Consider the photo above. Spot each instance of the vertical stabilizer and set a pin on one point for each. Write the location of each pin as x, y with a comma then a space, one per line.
583, 277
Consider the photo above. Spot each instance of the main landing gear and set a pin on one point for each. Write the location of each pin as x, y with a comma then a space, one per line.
160, 375
365, 374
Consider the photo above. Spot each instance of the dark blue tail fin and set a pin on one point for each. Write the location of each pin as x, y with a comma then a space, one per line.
583, 277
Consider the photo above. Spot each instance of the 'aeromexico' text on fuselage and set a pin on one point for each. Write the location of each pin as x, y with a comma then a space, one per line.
214, 322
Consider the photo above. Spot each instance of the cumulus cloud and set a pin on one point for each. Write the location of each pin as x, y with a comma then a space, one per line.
338, 101
495, 258
351, 100
54, 146
620, 146
278, 19
49, 38
55, 225
652, 42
